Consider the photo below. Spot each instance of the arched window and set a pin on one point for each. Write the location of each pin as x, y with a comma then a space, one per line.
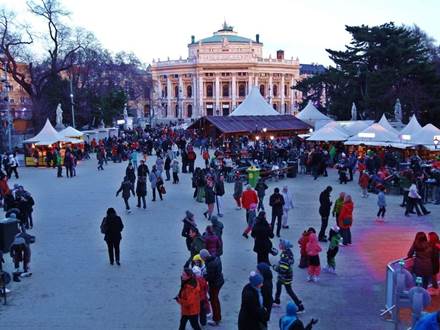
262, 90
177, 111
176, 91
189, 111
275, 90
242, 90
225, 90
209, 90
165, 92
285, 90
189, 91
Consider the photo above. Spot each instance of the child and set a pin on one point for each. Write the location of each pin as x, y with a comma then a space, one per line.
333, 248
381, 203
291, 321
204, 303
338, 206
304, 262
313, 250
364, 179
251, 216
285, 274
342, 171
175, 167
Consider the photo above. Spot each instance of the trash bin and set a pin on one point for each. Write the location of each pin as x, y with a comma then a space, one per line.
292, 170
253, 175
8, 230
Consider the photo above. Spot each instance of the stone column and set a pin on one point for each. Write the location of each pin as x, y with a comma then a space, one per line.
181, 97
250, 84
217, 96
194, 98
283, 110
256, 80
234, 92
292, 103
270, 89
169, 93
201, 91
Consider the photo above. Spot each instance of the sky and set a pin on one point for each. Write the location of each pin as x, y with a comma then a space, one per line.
302, 28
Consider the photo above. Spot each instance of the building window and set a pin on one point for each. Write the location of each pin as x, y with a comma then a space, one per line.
209, 90
275, 106
189, 91
177, 111
176, 91
189, 111
262, 91
209, 109
285, 90
165, 92
242, 90
275, 90
225, 91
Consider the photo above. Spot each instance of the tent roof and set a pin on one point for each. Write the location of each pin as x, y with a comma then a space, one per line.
378, 135
310, 114
47, 135
412, 127
355, 126
254, 105
425, 136
330, 132
70, 132
242, 124
386, 124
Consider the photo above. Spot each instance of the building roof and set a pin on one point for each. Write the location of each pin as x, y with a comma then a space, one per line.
250, 124
254, 105
227, 32
374, 135
70, 132
311, 115
46, 136
312, 69
425, 136
330, 132
412, 127
386, 124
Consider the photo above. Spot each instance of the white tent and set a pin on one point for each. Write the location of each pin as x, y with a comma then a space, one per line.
375, 135
47, 135
330, 132
355, 126
70, 132
254, 105
385, 124
426, 136
410, 129
311, 115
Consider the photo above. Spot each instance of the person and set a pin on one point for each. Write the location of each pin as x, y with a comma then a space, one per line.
13, 166
252, 215
100, 157
197, 243
215, 279
288, 205
381, 203
338, 206
205, 156
156, 183
290, 321
141, 191
422, 253
248, 197
313, 249
434, 242
209, 199
345, 220
364, 179
267, 288
130, 173
238, 190
20, 251
204, 302
302, 242
212, 242
189, 300
333, 249
262, 233
126, 188
59, 162
430, 321
252, 315
415, 201
219, 192
217, 227
68, 163
189, 223
324, 210
175, 168
261, 188
276, 201
111, 227
142, 169
167, 168
134, 158
285, 274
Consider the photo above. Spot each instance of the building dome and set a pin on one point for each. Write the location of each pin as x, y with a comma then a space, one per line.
226, 32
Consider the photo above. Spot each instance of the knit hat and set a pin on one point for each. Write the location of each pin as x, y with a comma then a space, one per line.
189, 214
255, 279
197, 271
204, 254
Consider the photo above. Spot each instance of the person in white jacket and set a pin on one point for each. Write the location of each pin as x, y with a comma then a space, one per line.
288, 204
415, 201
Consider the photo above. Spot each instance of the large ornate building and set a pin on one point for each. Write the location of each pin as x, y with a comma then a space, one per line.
218, 74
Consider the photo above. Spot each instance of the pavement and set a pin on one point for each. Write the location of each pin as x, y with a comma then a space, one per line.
73, 286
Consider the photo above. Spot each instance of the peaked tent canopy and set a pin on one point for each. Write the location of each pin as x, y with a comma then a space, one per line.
311, 115
47, 135
426, 136
412, 127
375, 135
254, 105
330, 132
71, 132
386, 124
353, 127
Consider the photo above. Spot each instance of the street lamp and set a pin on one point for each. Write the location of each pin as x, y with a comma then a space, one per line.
71, 103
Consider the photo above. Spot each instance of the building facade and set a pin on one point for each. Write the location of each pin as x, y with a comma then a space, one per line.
217, 76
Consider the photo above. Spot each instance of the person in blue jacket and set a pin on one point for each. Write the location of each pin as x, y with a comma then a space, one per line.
290, 321
429, 322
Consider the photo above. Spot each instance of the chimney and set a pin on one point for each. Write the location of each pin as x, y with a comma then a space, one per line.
193, 39
257, 38
280, 54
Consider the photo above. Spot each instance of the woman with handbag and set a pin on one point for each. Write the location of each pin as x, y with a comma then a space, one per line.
345, 220
111, 227
156, 183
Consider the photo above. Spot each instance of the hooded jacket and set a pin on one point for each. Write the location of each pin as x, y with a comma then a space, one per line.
252, 315
346, 213
267, 289
313, 247
189, 297
287, 320
284, 267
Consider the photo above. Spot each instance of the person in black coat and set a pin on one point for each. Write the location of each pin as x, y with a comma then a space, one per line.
267, 288
188, 224
276, 201
252, 316
141, 191
130, 174
324, 211
262, 234
167, 167
209, 200
142, 169
111, 227
126, 188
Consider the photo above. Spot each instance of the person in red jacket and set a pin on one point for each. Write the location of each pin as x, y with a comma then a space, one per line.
364, 179
248, 197
345, 220
204, 301
212, 242
189, 300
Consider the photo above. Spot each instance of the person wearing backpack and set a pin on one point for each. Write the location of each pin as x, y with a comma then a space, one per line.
111, 227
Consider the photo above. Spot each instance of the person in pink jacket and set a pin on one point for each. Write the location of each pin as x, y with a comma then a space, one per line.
313, 250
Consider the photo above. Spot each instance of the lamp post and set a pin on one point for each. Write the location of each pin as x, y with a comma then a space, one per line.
71, 103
